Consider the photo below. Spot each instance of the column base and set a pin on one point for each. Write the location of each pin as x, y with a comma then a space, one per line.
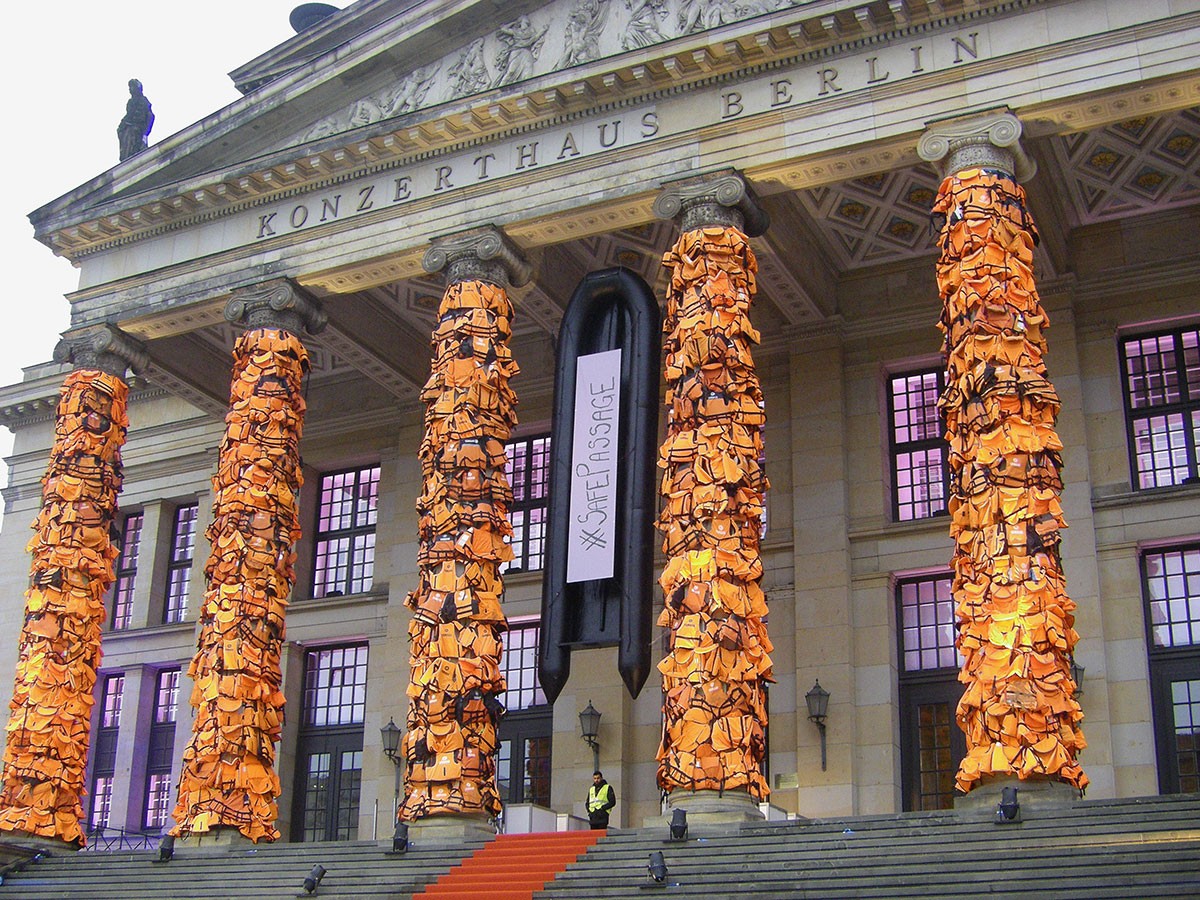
449, 830
216, 838
709, 812
18, 845
1032, 795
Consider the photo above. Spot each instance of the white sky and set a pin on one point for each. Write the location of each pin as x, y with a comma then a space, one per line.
65, 69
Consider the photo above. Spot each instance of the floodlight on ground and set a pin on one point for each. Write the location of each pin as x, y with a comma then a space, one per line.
166, 848
313, 879
657, 867
1008, 810
400, 838
679, 826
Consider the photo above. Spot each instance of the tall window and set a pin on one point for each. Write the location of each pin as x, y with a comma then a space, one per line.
329, 764
104, 760
1171, 578
529, 475
932, 744
1162, 406
127, 563
179, 568
161, 751
345, 539
918, 449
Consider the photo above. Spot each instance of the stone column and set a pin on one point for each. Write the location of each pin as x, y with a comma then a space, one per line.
228, 779
715, 673
73, 566
1015, 619
457, 624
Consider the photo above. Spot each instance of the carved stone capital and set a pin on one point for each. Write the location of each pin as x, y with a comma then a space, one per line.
105, 347
988, 141
278, 303
481, 254
719, 198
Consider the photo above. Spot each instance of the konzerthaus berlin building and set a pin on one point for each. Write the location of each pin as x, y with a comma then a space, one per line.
406, 197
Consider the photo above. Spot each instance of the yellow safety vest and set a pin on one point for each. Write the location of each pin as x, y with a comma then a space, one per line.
597, 799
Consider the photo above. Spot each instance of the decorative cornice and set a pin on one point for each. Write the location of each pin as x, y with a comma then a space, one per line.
481, 254
104, 347
824, 28
988, 141
719, 198
278, 303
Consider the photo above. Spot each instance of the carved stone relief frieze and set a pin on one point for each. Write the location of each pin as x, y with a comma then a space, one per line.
525, 48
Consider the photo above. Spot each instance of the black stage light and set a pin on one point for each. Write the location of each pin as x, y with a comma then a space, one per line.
679, 825
657, 867
166, 848
400, 838
1009, 810
313, 879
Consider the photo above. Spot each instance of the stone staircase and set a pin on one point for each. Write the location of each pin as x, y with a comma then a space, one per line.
358, 869
1130, 849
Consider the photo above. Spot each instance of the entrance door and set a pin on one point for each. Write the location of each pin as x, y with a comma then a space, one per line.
329, 754
1175, 690
933, 744
329, 775
523, 765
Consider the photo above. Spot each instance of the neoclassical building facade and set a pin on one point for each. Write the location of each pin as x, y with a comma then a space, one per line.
993, 205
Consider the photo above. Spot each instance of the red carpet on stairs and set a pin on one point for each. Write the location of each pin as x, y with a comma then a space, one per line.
513, 866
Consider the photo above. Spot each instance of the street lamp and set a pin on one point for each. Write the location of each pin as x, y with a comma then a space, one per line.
1077, 676
390, 735
589, 727
817, 700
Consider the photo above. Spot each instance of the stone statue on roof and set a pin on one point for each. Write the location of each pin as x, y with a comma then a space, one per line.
135, 126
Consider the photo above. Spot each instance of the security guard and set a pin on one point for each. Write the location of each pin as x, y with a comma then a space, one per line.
600, 799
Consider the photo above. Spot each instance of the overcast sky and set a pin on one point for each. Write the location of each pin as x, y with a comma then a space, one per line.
65, 71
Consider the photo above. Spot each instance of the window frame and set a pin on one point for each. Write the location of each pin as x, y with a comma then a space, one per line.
1167, 664
897, 447
104, 749
924, 687
525, 559
179, 568
356, 572
1188, 407
162, 732
126, 572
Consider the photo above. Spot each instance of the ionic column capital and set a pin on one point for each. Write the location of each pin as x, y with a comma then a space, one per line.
105, 347
719, 198
481, 254
988, 141
278, 303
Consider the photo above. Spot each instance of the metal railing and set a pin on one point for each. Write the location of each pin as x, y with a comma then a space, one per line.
109, 839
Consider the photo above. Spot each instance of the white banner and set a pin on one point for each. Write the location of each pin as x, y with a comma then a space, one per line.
592, 528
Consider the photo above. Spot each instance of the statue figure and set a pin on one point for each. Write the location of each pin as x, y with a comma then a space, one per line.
701, 15
521, 43
135, 127
469, 74
581, 42
643, 30
413, 90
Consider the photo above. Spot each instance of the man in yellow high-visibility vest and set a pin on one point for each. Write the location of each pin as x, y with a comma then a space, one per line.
600, 799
